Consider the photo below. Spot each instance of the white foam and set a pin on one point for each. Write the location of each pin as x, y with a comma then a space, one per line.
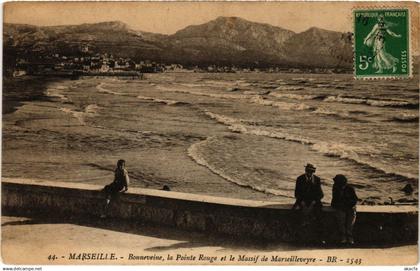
168, 102
286, 87
300, 79
236, 125
191, 85
89, 111
61, 87
219, 83
325, 111
409, 117
354, 100
243, 84
195, 153
337, 149
387, 103
207, 94
255, 99
294, 96
102, 89
322, 85
344, 100
52, 92
76, 114
280, 105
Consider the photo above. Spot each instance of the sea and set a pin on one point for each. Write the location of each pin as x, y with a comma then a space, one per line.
237, 135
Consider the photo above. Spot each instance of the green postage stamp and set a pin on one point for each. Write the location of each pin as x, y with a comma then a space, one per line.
382, 43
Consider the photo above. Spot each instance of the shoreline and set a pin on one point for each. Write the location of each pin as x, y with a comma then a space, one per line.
144, 175
18, 90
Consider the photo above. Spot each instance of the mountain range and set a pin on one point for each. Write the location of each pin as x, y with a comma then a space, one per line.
222, 41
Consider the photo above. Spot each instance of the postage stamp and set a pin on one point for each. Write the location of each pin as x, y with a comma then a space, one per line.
382, 43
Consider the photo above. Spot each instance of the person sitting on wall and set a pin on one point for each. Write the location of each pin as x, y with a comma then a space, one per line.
344, 202
120, 184
308, 194
308, 191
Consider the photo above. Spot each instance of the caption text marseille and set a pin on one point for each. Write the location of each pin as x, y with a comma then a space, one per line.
202, 258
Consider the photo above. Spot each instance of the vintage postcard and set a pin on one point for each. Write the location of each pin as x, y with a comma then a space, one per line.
210, 133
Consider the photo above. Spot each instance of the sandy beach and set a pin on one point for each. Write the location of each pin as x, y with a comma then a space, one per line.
31, 241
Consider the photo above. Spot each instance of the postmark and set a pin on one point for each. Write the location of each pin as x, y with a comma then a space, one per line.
382, 43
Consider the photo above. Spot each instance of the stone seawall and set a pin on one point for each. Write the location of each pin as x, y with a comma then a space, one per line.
234, 217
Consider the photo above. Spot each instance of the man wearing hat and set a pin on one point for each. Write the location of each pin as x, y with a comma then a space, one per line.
308, 191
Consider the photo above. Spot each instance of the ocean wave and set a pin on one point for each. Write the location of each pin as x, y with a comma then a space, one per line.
323, 85
52, 92
219, 83
406, 117
281, 105
297, 96
88, 111
236, 125
91, 109
191, 85
351, 115
102, 89
324, 111
339, 150
352, 153
341, 115
372, 102
195, 154
61, 87
303, 79
213, 95
287, 87
255, 99
156, 100
243, 84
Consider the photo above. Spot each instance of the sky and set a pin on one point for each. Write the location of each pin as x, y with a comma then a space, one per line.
169, 17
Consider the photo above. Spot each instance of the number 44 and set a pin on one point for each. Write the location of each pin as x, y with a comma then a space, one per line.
364, 62
52, 257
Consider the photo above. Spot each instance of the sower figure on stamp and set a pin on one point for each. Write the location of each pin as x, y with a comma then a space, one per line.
308, 194
344, 202
376, 39
120, 184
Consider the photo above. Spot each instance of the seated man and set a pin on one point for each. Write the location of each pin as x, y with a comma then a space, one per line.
308, 194
308, 191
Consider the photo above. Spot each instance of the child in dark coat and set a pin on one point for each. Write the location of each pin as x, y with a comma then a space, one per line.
344, 202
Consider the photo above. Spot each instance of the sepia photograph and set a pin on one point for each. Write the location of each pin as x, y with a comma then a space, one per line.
210, 133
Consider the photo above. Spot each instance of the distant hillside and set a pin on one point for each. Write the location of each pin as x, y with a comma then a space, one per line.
107, 37
223, 41
319, 47
231, 40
